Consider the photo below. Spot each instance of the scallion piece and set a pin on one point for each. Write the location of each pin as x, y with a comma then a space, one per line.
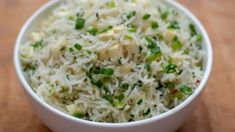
37, 44
140, 101
186, 89
79, 114
97, 83
80, 22
199, 38
131, 14
176, 44
170, 68
105, 29
164, 15
119, 104
154, 25
92, 30
124, 86
77, 46
146, 16
146, 112
120, 97
174, 25
192, 29
109, 98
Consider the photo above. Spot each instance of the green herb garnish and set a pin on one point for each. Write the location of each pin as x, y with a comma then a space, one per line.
80, 22
154, 25
170, 68
79, 114
30, 66
146, 112
120, 97
176, 44
146, 16
97, 83
147, 66
105, 29
109, 98
77, 46
164, 15
131, 14
104, 71
132, 28
128, 37
192, 29
174, 25
186, 89
199, 38
119, 104
92, 30
140, 101
124, 86
170, 85
37, 44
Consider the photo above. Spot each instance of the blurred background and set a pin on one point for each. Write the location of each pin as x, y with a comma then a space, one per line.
215, 111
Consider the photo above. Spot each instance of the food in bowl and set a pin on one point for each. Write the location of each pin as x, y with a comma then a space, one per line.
113, 60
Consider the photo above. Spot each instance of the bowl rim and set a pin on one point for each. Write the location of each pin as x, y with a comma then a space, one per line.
182, 105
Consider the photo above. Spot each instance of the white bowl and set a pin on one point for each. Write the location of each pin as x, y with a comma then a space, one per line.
61, 122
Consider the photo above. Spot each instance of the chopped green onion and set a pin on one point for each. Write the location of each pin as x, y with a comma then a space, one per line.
146, 16
89, 74
148, 66
132, 28
77, 46
128, 37
79, 114
174, 25
170, 68
176, 44
124, 86
156, 53
30, 66
192, 29
131, 14
120, 97
186, 89
109, 98
104, 71
154, 24
97, 83
105, 29
107, 71
80, 22
199, 38
140, 101
119, 104
164, 15
37, 44
146, 112
155, 50
151, 43
92, 30
170, 85
71, 49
